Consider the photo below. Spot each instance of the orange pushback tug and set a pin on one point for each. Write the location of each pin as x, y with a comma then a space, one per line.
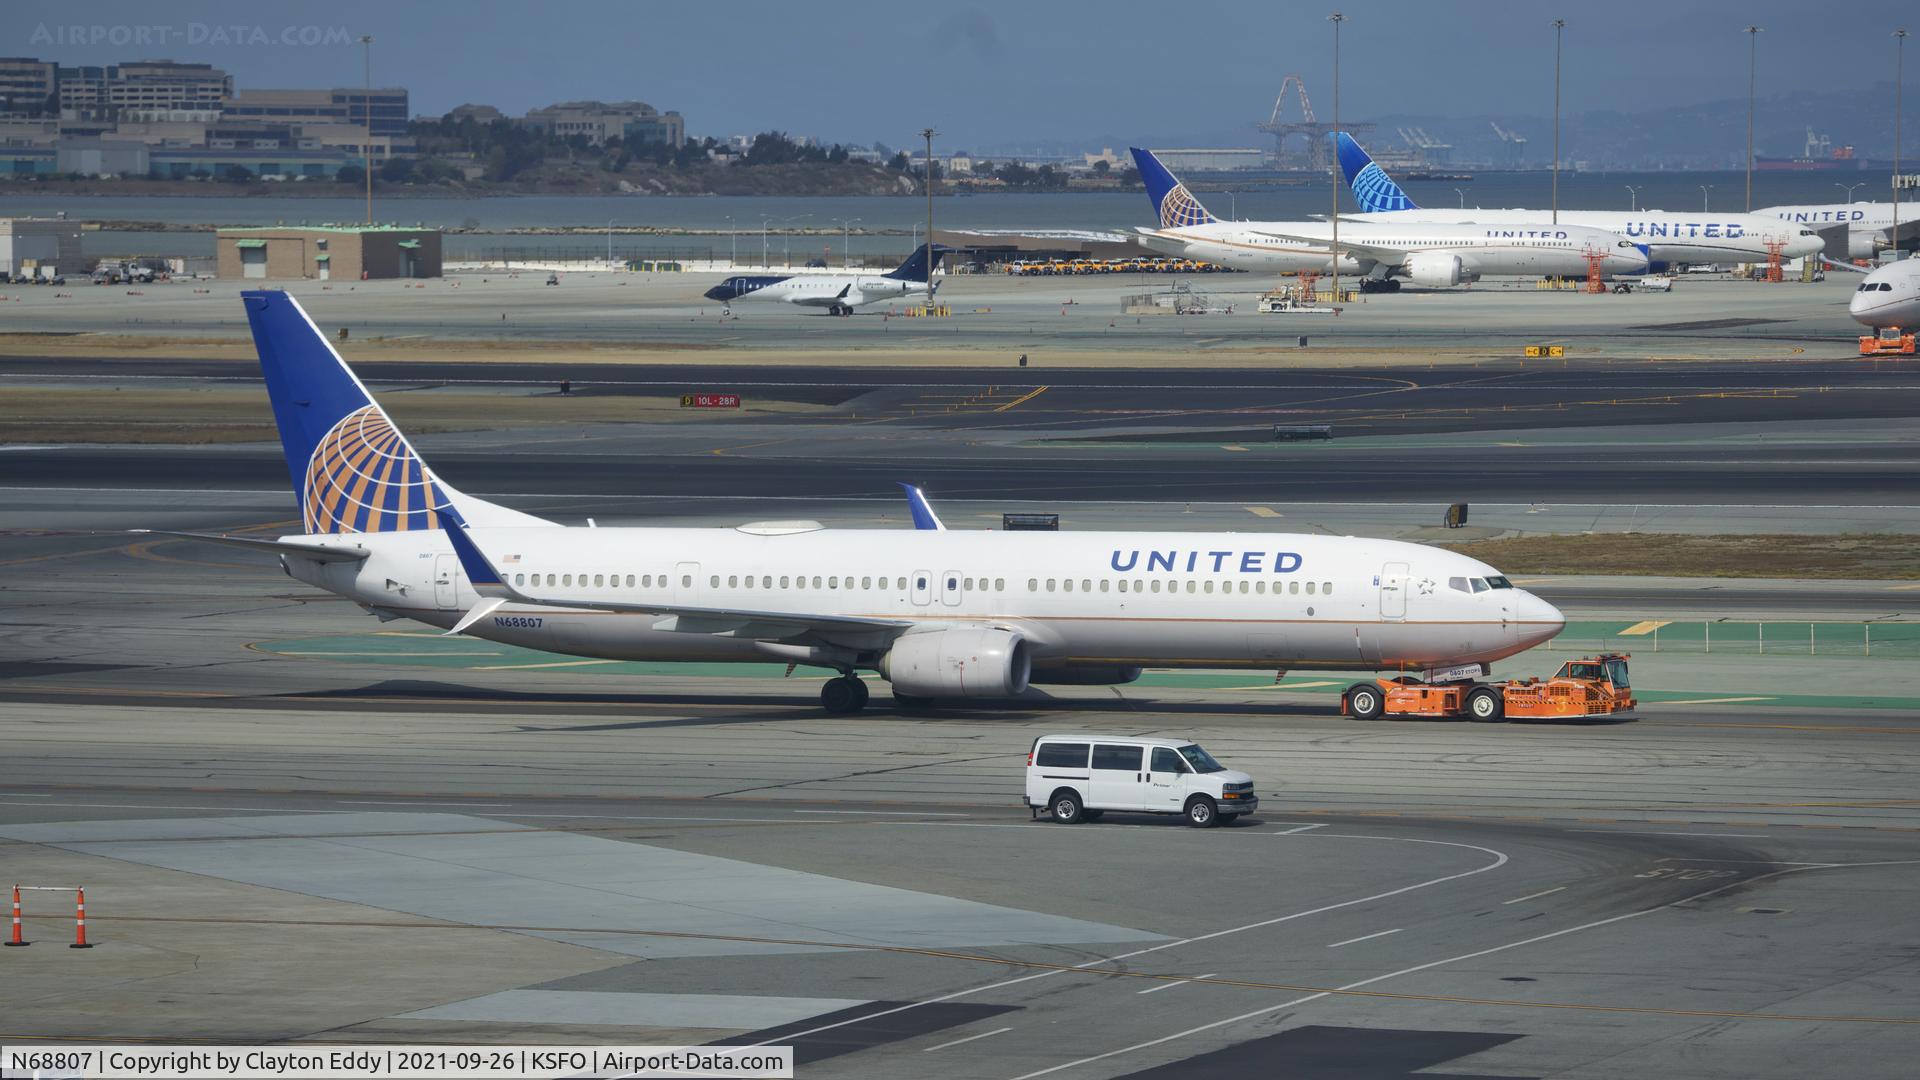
1596, 686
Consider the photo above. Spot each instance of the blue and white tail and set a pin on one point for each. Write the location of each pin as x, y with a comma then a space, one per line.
1172, 202
915, 268
352, 469
1372, 188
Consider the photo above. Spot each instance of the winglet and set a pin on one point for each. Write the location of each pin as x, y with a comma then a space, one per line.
922, 510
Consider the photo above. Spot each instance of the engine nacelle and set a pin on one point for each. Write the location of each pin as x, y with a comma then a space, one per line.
1085, 675
962, 662
1437, 269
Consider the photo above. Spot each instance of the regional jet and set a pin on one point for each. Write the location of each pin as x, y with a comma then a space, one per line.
939, 613
1668, 238
839, 294
1379, 255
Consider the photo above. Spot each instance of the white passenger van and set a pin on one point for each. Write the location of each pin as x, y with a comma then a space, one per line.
1079, 777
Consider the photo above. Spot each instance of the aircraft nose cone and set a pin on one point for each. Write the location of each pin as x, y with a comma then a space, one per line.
718, 292
1539, 620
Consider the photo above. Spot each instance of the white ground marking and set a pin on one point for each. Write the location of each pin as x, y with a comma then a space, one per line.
1499, 860
1182, 982
417, 802
1452, 960
1535, 896
1367, 937
968, 1039
883, 813
1297, 829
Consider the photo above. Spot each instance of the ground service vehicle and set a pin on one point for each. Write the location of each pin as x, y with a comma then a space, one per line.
1076, 778
1595, 686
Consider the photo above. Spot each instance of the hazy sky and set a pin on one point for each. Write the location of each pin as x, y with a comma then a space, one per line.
997, 73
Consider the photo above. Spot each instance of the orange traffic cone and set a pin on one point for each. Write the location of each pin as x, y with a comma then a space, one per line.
80, 924
15, 940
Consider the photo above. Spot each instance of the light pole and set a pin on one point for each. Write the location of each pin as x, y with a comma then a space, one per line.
928, 134
1849, 188
763, 241
1463, 198
733, 233
366, 104
1633, 197
610, 222
1704, 188
1233, 207
1899, 59
786, 239
1558, 26
1336, 19
1753, 37
846, 238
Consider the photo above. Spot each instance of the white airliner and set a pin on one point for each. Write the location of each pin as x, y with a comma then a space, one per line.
1869, 224
839, 294
1889, 297
1668, 238
940, 613
1434, 255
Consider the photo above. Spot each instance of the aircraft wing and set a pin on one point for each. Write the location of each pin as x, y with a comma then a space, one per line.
731, 622
1829, 263
317, 552
824, 301
1358, 250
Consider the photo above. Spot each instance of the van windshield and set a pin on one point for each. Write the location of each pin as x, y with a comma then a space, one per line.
1201, 761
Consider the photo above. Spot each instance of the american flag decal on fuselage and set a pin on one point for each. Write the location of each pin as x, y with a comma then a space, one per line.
363, 477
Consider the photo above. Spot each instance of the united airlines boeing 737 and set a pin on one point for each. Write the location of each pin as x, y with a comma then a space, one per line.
1379, 255
940, 613
1667, 237
839, 294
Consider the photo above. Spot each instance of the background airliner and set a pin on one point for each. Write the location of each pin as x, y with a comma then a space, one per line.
1435, 255
839, 294
1869, 224
1668, 237
940, 613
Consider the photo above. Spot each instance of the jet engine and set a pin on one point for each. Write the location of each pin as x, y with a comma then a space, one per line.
1085, 675
962, 662
1437, 269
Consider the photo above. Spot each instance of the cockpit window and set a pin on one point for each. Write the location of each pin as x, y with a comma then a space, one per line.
1480, 585
1807, 232
1459, 584
1499, 583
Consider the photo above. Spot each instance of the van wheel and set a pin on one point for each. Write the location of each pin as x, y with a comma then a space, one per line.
1485, 705
1201, 813
1066, 808
1366, 702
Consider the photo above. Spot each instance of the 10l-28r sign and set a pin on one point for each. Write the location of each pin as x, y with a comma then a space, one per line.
709, 401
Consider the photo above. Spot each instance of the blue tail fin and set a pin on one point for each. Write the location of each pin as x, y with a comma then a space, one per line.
352, 469
1372, 188
1172, 202
915, 268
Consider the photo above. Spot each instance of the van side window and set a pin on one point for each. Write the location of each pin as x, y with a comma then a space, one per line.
1167, 760
1123, 758
1062, 755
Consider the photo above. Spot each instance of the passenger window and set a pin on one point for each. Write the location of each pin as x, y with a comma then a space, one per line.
1209, 586
599, 580
816, 581
1050, 584
1293, 588
629, 581
519, 579
549, 579
733, 581
566, 579
1122, 758
784, 582
1103, 584
1260, 587
1243, 588
1033, 584
833, 583
1123, 584
1156, 584
714, 581
766, 581
1062, 755
953, 584
1068, 584
999, 584
1190, 586
1309, 588
1167, 760
1326, 588
866, 583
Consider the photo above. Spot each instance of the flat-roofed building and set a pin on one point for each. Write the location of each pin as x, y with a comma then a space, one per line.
344, 252
104, 92
30, 246
386, 107
630, 121
29, 87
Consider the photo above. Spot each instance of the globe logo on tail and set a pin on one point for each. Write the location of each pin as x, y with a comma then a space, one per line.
1377, 192
1180, 209
363, 477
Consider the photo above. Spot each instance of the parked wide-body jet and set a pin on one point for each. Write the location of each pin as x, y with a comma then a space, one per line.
1667, 237
940, 613
1379, 255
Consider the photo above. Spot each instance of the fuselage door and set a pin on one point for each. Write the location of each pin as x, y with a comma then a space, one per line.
950, 591
1393, 591
922, 588
443, 583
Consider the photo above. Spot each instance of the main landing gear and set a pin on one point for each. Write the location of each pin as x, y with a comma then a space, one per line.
1379, 285
840, 309
846, 694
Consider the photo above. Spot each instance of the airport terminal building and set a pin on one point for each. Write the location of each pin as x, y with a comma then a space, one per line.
342, 252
